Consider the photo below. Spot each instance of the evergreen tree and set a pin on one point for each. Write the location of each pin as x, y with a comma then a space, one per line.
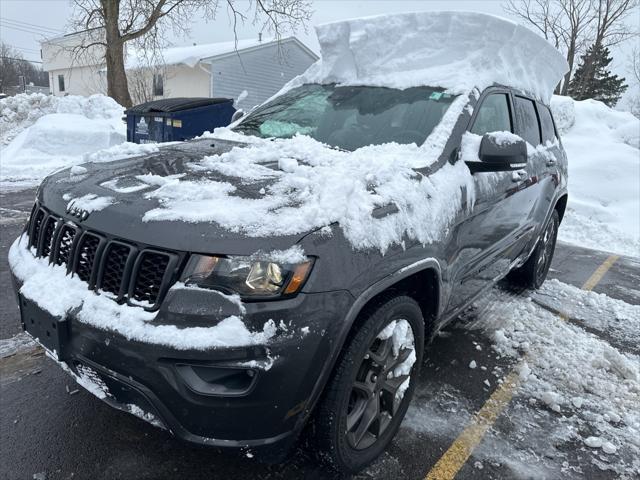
592, 79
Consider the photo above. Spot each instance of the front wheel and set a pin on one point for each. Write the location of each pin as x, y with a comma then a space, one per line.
534, 272
370, 391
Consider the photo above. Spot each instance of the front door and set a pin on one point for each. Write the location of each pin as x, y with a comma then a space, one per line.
485, 244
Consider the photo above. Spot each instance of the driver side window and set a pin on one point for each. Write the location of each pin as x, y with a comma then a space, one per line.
493, 116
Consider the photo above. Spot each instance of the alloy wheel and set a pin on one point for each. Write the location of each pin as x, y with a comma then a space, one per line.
380, 384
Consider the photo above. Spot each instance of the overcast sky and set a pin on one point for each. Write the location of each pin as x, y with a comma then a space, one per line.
52, 15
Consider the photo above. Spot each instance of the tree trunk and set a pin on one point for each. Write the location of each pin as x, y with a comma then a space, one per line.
117, 86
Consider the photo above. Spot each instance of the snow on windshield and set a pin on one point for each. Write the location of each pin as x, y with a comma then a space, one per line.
453, 50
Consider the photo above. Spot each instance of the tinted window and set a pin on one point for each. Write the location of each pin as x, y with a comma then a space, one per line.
528, 127
493, 115
61, 83
546, 122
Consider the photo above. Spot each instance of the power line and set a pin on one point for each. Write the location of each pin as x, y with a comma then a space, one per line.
12, 27
19, 59
21, 23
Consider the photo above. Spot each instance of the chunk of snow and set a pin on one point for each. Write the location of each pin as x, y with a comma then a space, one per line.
473, 364
609, 448
90, 203
77, 170
593, 442
453, 50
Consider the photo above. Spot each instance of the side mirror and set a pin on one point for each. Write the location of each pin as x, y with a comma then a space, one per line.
500, 152
237, 115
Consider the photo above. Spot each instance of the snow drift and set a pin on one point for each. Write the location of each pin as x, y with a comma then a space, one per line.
604, 175
45, 133
22, 111
453, 50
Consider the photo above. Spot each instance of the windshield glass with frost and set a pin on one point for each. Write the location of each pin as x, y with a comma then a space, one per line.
350, 117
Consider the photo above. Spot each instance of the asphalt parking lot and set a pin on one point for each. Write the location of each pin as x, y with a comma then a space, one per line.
464, 422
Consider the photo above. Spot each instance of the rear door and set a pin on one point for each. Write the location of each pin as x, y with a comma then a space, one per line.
535, 125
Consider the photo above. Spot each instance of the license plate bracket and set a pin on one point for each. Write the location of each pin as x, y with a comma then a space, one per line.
48, 330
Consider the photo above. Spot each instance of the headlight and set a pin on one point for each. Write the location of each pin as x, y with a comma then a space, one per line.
246, 276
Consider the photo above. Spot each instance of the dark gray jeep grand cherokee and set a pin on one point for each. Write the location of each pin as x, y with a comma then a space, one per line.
336, 334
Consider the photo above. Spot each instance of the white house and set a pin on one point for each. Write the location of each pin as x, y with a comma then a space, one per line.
228, 69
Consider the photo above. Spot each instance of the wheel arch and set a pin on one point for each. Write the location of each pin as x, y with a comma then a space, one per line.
420, 281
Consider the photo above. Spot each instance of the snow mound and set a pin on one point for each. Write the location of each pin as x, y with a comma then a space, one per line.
604, 175
54, 141
453, 50
23, 110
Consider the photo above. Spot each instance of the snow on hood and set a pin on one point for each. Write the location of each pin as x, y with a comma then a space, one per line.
453, 50
315, 186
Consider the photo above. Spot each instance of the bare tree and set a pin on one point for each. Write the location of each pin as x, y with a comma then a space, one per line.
13, 66
143, 24
633, 102
573, 25
564, 23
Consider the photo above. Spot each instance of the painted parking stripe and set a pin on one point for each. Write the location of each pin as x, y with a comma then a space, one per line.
448, 466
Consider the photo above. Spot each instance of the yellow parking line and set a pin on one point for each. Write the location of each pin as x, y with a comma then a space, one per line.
461, 449
599, 273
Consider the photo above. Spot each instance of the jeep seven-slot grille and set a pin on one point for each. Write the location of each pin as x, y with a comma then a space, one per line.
128, 272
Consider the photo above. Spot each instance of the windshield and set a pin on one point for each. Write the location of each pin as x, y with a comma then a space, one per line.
350, 117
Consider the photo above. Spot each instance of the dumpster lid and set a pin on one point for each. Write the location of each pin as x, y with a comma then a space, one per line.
176, 104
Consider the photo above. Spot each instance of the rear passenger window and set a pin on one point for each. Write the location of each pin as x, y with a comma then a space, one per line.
493, 116
546, 122
528, 127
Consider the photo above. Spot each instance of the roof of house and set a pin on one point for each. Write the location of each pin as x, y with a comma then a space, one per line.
193, 54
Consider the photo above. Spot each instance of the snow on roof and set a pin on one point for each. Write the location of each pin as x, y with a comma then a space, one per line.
192, 54
454, 50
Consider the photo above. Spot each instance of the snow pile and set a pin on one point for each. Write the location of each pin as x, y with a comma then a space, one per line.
592, 385
49, 133
22, 111
454, 50
597, 311
604, 175
316, 186
100, 311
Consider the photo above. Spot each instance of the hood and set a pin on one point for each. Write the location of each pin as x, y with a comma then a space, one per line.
115, 200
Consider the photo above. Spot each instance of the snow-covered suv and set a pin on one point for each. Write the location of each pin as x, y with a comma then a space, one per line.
291, 268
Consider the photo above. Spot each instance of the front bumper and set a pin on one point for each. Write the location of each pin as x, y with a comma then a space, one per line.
264, 400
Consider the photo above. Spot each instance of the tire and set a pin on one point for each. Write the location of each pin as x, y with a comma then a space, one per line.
339, 434
534, 272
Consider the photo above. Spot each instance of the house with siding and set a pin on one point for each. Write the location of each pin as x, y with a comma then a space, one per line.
248, 70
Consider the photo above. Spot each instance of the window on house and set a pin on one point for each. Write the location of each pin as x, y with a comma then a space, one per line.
158, 85
61, 83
